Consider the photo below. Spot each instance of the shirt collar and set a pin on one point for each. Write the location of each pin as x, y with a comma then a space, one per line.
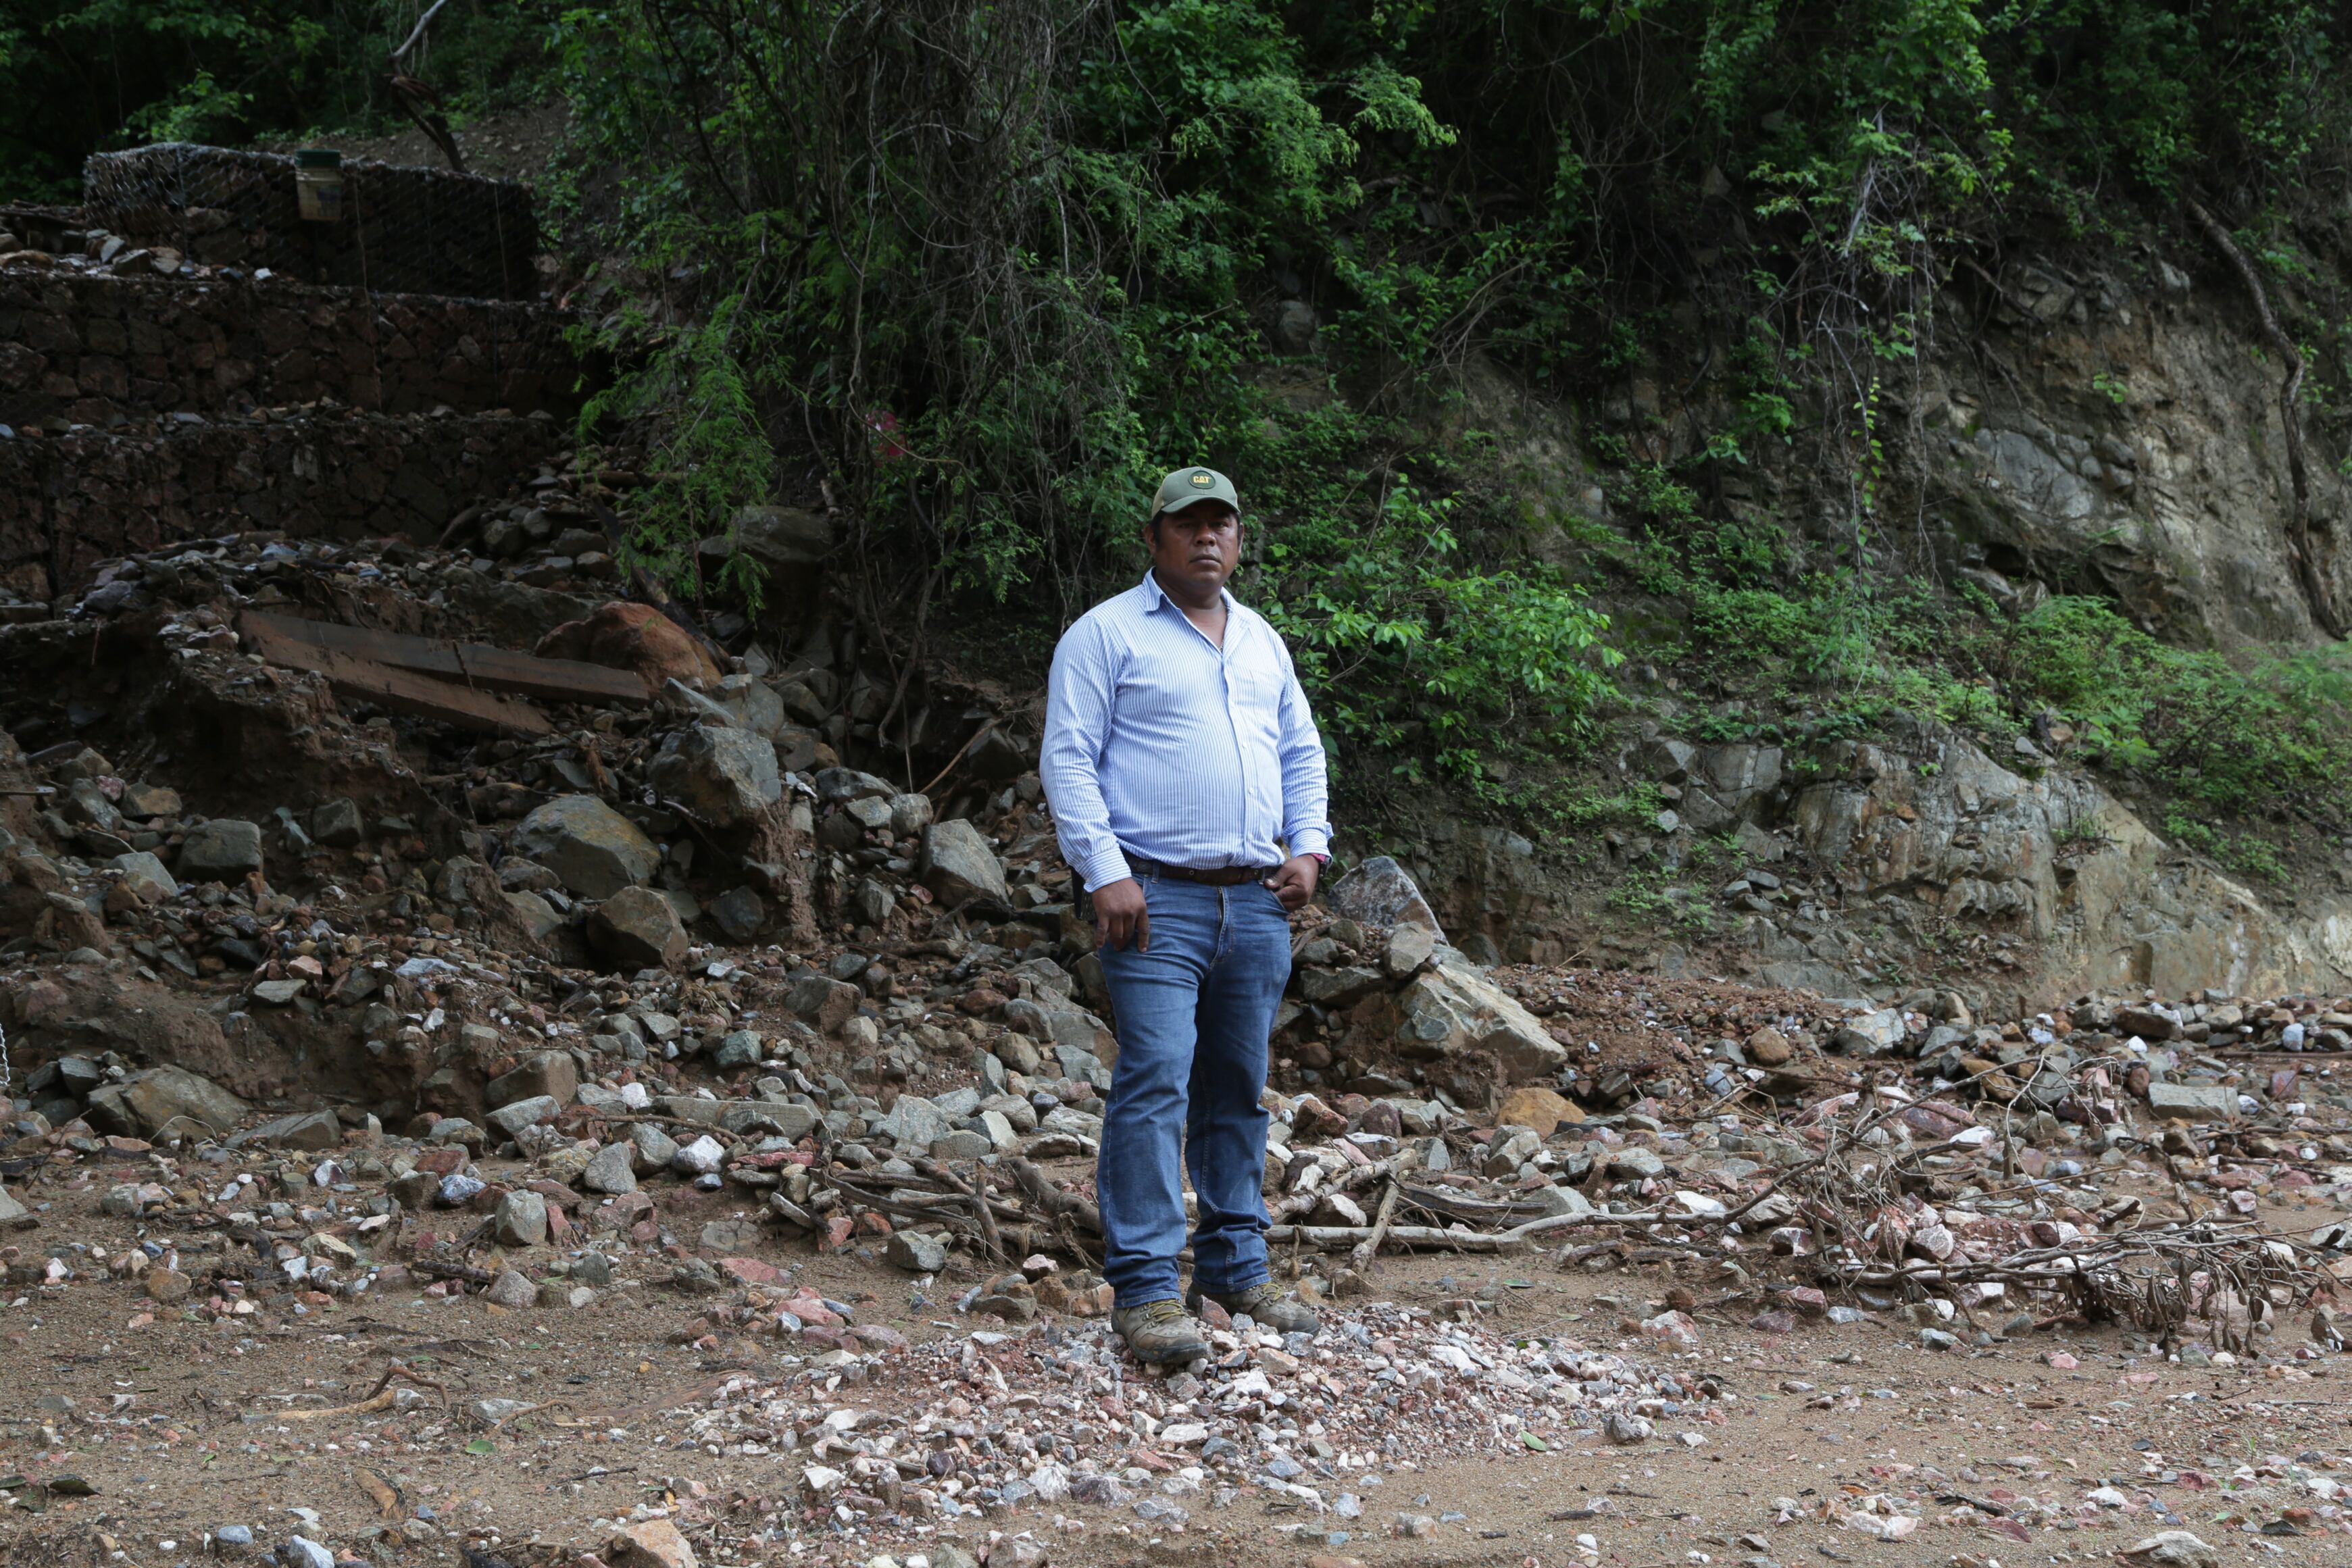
1156, 597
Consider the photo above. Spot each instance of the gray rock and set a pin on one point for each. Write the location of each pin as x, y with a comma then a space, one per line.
304, 1130
637, 928
1378, 894
1451, 1007
788, 542
594, 850
825, 1002
723, 775
1635, 1163
962, 1144
1625, 1429
512, 1289
611, 1170
872, 904
959, 865
909, 814
222, 850
1339, 988
755, 705
145, 875
553, 1073
515, 1116
741, 1049
914, 1253
533, 914
12, 1211
278, 993
301, 1551
837, 786
521, 1221
2171, 1549
651, 1148
336, 823
913, 1123
739, 914
154, 1101
2196, 1102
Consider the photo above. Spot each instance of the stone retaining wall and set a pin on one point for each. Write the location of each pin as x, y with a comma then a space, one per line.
69, 502
426, 231
77, 348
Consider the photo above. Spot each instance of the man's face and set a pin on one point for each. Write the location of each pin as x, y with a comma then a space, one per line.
1199, 544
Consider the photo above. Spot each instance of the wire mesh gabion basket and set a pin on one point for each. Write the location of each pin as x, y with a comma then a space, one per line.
402, 230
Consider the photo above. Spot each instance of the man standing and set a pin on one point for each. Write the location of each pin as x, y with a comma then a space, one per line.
1186, 779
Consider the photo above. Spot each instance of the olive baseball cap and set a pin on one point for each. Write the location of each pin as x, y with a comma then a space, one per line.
1190, 486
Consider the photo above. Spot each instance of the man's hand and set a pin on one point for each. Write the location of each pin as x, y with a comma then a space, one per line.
1294, 880
1120, 917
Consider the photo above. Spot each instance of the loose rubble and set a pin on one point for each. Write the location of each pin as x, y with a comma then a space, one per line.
354, 976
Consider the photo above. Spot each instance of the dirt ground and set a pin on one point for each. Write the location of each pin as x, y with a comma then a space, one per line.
179, 1428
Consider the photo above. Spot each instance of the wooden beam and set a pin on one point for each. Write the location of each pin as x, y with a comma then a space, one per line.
403, 691
473, 664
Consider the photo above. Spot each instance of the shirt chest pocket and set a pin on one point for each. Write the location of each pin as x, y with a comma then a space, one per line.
1253, 682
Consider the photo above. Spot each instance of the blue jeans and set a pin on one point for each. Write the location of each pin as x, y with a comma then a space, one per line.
1193, 1015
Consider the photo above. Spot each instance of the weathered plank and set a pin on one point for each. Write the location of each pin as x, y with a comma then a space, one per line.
474, 664
403, 691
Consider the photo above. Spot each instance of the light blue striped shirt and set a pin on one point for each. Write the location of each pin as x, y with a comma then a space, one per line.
1160, 744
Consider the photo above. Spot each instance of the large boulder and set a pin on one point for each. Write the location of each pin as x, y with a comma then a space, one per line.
220, 850
634, 637
637, 928
592, 848
1450, 1008
786, 539
723, 775
1380, 894
158, 1100
549, 1072
959, 865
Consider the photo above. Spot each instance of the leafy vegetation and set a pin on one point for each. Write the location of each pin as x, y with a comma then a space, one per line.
988, 267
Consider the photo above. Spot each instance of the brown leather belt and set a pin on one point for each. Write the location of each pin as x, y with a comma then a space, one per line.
1218, 876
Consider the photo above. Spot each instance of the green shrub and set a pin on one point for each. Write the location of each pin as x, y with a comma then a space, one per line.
2226, 738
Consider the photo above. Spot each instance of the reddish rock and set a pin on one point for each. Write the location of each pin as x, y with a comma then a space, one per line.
1314, 1119
1778, 1321
634, 637
751, 1271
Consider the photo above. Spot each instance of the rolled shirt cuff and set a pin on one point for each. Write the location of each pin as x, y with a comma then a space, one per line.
1310, 841
1106, 868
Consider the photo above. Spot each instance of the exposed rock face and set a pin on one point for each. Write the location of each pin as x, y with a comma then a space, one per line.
594, 850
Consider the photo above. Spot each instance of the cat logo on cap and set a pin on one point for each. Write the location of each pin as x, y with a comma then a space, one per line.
1202, 479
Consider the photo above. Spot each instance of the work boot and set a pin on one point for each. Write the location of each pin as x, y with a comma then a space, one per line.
1265, 1304
1159, 1332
